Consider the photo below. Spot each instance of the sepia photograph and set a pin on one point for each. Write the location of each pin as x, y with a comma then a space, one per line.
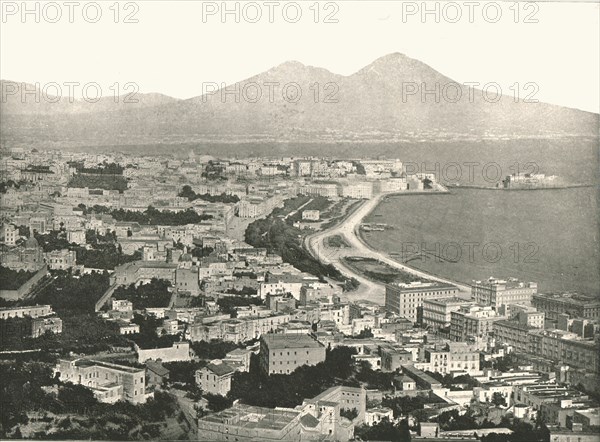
311, 220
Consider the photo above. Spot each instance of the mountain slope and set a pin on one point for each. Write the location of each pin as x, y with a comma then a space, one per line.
382, 101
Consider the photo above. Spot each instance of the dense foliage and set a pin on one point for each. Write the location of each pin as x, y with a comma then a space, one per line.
374, 379
152, 216
82, 334
277, 236
4, 185
13, 279
227, 304
187, 192
405, 405
213, 349
71, 294
73, 298
105, 182
53, 240
148, 336
73, 410
153, 294
384, 430
104, 256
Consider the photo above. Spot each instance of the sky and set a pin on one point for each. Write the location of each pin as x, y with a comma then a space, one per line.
175, 47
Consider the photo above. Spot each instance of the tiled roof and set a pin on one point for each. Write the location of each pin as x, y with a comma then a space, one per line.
308, 420
220, 369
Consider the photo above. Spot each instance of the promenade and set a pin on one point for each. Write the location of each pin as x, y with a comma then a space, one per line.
349, 230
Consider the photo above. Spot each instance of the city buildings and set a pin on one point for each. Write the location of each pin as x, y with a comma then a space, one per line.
513, 333
29, 322
179, 351
210, 268
317, 418
215, 378
35, 311
472, 323
456, 358
283, 353
109, 382
496, 292
405, 299
249, 423
437, 313
565, 347
362, 190
61, 259
28, 257
573, 304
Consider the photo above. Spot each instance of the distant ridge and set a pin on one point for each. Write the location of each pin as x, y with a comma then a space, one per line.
381, 101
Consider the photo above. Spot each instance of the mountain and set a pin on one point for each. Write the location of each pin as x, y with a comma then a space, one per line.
382, 101
20, 98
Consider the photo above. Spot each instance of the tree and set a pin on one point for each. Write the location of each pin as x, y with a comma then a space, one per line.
214, 349
404, 405
349, 413
365, 333
217, 403
384, 430
498, 399
153, 294
228, 304
183, 371
288, 390
76, 398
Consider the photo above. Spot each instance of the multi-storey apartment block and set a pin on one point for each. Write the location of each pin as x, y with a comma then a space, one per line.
437, 313
451, 358
283, 353
472, 323
496, 292
576, 305
405, 299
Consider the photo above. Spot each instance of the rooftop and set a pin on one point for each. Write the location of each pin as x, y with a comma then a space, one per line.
249, 417
308, 420
95, 363
509, 283
513, 324
278, 341
25, 307
221, 369
419, 285
239, 351
157, 368
571, 298
449, 300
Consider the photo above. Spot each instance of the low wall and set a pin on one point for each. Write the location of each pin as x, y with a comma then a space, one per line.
14, 295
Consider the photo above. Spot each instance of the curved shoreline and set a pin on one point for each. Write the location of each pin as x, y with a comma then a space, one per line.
349, 229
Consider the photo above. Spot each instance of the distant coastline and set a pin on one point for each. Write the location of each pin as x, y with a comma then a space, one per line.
514, 189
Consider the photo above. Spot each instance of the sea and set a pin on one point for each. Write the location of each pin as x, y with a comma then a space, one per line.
548, 236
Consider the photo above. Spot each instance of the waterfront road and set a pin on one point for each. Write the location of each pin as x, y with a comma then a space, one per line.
349, 230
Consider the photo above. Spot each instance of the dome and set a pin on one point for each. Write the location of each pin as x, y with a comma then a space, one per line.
31, 243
